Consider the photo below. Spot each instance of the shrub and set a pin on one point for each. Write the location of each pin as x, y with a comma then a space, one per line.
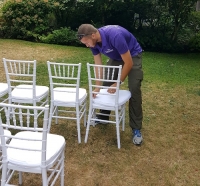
26, 19
63, 36
194, 43
194, 31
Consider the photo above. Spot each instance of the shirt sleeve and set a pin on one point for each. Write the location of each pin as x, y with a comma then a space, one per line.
120, 44
95, 51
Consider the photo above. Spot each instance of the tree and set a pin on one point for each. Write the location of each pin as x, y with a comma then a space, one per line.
178, 11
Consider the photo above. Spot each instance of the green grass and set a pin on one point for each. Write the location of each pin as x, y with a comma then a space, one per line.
172, 68
170, 153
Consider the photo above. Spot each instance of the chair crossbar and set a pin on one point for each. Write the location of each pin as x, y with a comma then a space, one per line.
25, 149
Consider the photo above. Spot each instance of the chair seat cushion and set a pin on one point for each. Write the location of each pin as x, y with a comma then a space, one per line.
107, 99
26, 92
68, 95
3, 89
55, 144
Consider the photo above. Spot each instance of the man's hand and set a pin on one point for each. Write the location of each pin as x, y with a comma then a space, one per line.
112, 90
97, 91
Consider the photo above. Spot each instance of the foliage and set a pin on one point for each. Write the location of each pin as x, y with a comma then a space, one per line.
194, 22
188, 36
26, 19
159, 25
62, 11
194, 43
178, 11
63, 36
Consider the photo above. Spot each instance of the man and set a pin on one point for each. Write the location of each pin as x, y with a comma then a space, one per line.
122, 48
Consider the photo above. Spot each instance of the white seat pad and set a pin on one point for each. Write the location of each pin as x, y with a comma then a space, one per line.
68, 95
107, 99
3, 89
33, 158
26, 92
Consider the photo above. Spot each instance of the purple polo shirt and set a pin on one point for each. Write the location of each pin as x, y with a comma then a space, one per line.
116, 40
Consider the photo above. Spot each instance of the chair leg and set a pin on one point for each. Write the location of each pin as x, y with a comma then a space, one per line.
50, 117
124, 118
10, 102
85, 106
117, 128
78, 123
44, 177
20, 178
88, 124
56, 114
4, 174
62, 175
35, 118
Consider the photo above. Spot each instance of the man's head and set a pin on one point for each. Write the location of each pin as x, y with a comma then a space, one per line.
88, 35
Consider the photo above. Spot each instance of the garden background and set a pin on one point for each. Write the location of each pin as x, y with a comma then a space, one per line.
168, 31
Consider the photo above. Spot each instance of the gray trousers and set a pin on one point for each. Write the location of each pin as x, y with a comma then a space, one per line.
135, 78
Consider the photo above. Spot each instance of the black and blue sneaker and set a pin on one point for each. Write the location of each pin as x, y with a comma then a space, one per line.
137, 137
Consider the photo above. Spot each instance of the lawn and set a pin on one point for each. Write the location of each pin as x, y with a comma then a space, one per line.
169, 155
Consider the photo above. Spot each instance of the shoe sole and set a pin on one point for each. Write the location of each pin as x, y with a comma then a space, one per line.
138, 144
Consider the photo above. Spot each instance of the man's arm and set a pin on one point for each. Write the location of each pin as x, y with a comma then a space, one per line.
98, 61
128, 64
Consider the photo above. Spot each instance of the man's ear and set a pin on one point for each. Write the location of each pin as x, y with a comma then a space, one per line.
93, 35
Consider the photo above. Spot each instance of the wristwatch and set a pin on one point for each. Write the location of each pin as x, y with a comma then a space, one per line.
121, 82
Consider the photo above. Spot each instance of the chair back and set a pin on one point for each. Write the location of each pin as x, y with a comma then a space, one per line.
105, 75
22, 124
20, 74
64, 77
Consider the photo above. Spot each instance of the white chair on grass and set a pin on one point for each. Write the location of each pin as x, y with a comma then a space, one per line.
3, 99
104, 100
22, 88
68, 100
31, 149
3, 92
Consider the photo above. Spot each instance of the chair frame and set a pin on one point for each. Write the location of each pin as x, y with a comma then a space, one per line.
54, 165
69, 73
117, 107
15, 70
2, 94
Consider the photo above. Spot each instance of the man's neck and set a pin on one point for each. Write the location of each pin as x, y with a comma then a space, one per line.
98, 37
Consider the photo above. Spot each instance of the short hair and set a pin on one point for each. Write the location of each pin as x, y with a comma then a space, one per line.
86, 29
